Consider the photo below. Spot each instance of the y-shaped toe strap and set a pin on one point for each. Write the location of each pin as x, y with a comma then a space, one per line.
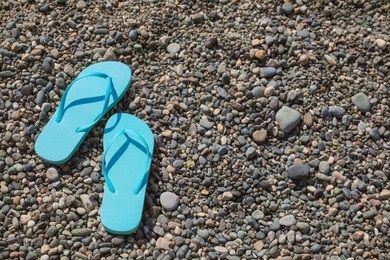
109, 90
140, 182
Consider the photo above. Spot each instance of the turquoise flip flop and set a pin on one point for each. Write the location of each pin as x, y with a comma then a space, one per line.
95, 91
128, 149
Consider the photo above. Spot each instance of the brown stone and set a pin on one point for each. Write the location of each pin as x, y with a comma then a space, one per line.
259, 245
260, 136
260, 54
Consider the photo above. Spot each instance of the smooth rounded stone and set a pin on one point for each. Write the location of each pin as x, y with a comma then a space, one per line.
182, 251
206, 124
173, 48
288, 220
29, 130
81, 4
258, 92
81, 232
316, 248
31, 255
258, 214
51, 232
220, 249
381, 44
267, 72
6, 74
260, 54
227, 195
287, 8
375, 134
45, 107
225, 78
109, 55
211, 42
169, 200
303, 59
46, 67
101, 31
260, 136
133, 35
197, 18
384, 194
52, 174
203, 233
250, 152
60, 82
119, 37
303, 227
337, 111
287, 119
324, 167
361, 101
298, 171
95, 177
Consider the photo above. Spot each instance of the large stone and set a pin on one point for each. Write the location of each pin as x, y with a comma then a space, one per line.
361, 101
169, 200
173, 48
287, 119
288, 220
298, 171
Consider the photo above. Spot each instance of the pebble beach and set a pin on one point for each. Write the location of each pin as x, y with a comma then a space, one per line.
271, 122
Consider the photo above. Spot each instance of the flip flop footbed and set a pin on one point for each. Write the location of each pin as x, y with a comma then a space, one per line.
83, 104
127, 163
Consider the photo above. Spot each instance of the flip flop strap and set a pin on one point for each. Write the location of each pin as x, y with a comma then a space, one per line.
109, 90
140, 183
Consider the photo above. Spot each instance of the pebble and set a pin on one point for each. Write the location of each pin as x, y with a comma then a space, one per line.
337, 111
81, 232
287, 119
169, 200
133, 35
250, 152
361, 101
288, 8
173, 48
260, 54
198, 18
298, 171
381, 44
267, 72
385, 194
324, 167
81, 4
288, 220
52, 174
260, 136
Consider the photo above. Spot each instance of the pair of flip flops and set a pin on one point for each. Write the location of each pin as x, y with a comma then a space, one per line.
128, 142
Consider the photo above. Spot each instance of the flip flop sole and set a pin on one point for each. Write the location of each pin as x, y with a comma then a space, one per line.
59, 140
126, 160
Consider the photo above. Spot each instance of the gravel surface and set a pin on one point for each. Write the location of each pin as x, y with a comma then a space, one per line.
271, 120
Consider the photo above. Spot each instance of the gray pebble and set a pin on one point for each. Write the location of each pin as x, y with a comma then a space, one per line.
169, 200
287, 119
288, 8
250, 152
288, 220
337, 111
267, 72
298, 171
173, 48
361, 101
52, 174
